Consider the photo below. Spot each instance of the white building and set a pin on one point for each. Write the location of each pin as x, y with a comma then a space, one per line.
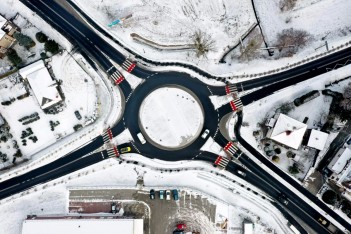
317, 139
287, 131
340, 160
42, 84
84, 225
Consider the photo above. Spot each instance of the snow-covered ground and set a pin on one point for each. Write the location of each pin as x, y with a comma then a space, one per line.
80, 95
258, 111
171, 117
233, 201
226, 21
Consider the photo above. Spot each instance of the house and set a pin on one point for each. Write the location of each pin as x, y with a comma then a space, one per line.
340, 160
317, 139
44, 87
81, 224
287, 131
7, 29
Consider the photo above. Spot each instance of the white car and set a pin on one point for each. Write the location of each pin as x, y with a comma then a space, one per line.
168, 195
141, 138
241, 173
205, 134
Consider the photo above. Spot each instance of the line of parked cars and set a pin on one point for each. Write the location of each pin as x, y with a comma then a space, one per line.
165, 194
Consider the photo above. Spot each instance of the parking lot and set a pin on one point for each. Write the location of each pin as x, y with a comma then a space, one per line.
196, 212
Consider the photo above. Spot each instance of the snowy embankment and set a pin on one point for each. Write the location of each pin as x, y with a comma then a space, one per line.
194, 177
232, 24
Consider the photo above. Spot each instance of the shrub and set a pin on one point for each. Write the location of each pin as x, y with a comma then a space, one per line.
330, 197
13, 57
24, 40
294, 169
275, 159
51, 46
41, 37
289, 40
286, 108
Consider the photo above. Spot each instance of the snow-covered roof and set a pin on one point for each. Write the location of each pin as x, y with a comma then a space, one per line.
82, 226
317, 139
340, 160
288, 131
248, 228
2, 21
44, 88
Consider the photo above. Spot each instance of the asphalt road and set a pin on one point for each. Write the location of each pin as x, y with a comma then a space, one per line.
100, 51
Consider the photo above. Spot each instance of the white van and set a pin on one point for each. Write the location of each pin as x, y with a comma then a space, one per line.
141, 138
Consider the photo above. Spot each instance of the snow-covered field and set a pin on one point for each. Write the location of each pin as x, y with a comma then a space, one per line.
258, 111
233, 201
80, 95
171, 117
225, 21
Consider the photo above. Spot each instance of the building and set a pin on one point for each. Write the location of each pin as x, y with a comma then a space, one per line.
248, 227
42, 84
7, 29
340, 160
287, 131
81, 225
317, 139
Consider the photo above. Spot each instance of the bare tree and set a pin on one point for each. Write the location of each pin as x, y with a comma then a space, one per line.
286, 5
203, 43
290, 40
345, 103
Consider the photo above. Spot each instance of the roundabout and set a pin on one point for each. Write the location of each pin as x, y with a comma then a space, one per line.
171, 117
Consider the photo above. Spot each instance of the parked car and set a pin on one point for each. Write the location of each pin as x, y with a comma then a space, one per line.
152, 194
113, 208
178, 232
125, 150
141, 138
323, 221
168, 195
78, 116
175, 194
282, 198
205, 134
181, 226
161, 193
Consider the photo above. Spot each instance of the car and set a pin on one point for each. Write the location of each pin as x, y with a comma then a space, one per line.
348, 141
113, 208
168, 195
178, 232
161, 193
175, 194
152, 194
78, 116
323, 221
125, 150
241, 173
282, 198
181, 226
205, 134
141, 138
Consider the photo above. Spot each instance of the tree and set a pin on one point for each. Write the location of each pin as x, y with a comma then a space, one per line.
24, 40
290, 40
275, 159
41, 37
294, 169
203, 43
286, 108
346, 207
51, 46
345, 103
13, 57
330, 197
286, 5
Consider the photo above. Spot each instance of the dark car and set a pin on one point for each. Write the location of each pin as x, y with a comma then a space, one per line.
162, 194
152, 194
113, 208
178, 232
79, 117
175, 194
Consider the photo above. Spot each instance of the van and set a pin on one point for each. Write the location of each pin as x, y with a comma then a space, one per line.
141, 138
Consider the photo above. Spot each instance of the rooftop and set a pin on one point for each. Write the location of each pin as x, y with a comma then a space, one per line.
82, 226
44, 87
317, 139
288, 131
340, 160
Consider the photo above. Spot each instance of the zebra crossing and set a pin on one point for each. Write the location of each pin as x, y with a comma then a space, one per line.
117, 77
128, 65
107, 136
230, 89
221, 161
232, 149
236, 104
113, 152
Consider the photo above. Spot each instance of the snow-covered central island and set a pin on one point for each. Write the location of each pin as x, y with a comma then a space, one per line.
171, 117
